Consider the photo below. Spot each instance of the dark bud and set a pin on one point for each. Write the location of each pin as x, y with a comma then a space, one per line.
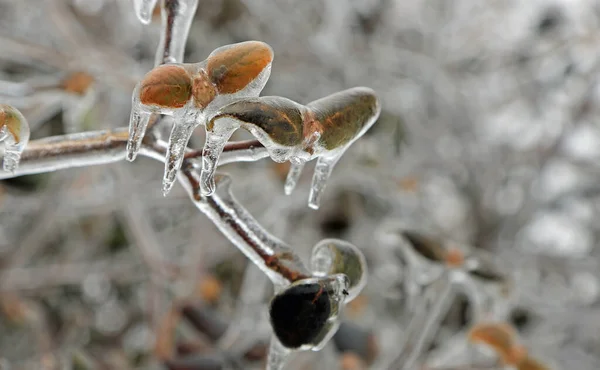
299, 314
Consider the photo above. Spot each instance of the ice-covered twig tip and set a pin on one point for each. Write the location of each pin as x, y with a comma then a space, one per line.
321, 130
192, 93
14, 132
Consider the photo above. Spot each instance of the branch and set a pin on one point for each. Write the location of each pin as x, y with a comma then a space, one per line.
271, 255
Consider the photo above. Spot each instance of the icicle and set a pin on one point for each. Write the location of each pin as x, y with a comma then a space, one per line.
293, 176
144, 10
216, 138
180, 135
322, 173
138, 123
14, 132
177, 16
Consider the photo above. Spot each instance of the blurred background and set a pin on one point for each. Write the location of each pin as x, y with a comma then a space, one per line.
489, 136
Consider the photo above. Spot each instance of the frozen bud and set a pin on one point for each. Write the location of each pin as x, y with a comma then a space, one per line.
233, 67
305, 314
166, 86
277, 118
14, 132
346, 115
334, 256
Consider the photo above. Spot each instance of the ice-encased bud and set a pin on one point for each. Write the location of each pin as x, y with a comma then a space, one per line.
242, 66
428, 248
14, 132
341, 119
335, 256
276, 122
305, 315
345, 115
193, 94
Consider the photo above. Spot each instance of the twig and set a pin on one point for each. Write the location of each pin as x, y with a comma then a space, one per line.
273, 256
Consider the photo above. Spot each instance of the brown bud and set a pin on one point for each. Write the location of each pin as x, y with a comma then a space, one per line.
233, 67
203, 90
278, 117
499, 336
430, 248
167, 86
77, 83
12, 119
344, 114
210, 289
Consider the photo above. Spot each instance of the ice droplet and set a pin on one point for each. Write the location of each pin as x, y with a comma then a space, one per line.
14, 132
144, 10
335, 256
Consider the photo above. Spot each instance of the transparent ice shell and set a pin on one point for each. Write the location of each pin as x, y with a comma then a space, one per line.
305, 315
335, 256
14, 132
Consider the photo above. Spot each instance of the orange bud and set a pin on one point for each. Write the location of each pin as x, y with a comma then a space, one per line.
233, 67
77, 83
167, 86
500, 337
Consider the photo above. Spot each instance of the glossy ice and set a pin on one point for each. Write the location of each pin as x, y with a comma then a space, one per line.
305, 314
333, 256
193, 93
14, 132
322, 130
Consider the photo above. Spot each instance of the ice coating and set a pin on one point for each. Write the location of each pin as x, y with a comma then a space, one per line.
275, 258
322, 130
333, 256
144, 9
177, 16
14, 132
192, 94
305, 315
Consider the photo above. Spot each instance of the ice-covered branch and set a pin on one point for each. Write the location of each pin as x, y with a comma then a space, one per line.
107, 146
